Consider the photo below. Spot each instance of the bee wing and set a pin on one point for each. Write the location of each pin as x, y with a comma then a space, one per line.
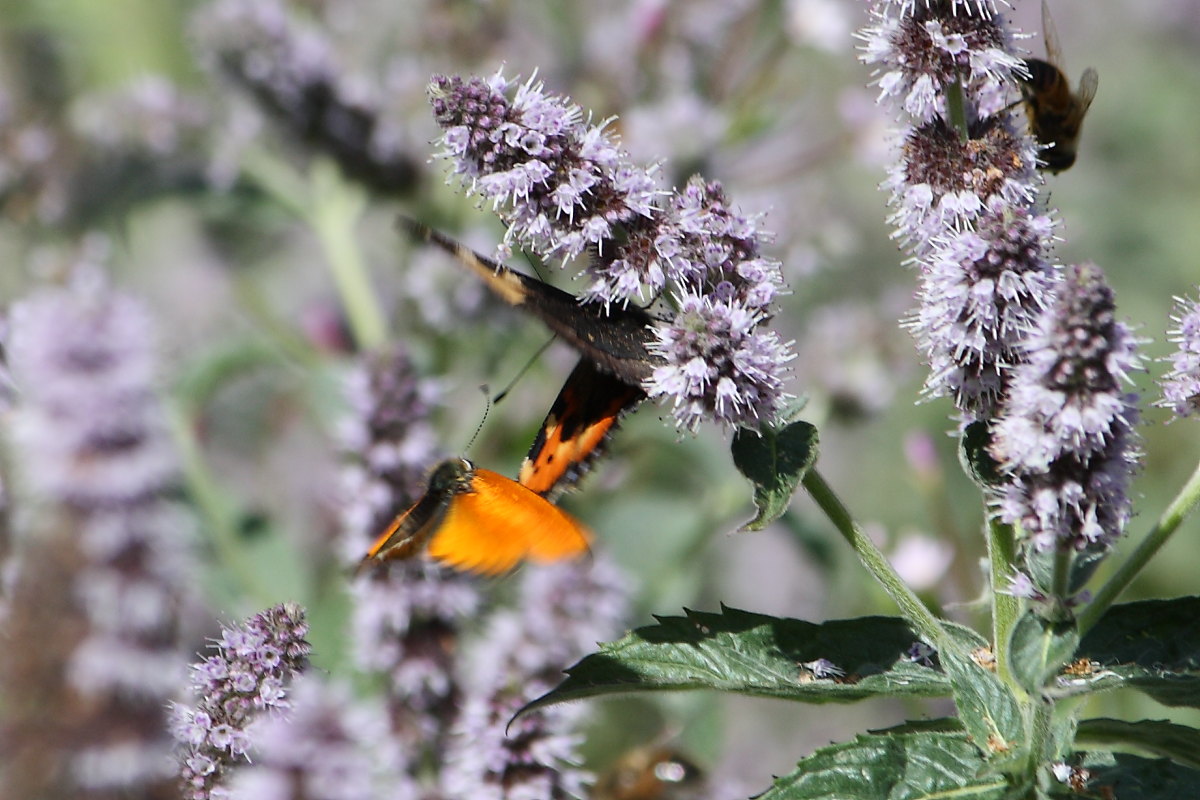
1087, 89
1050, 37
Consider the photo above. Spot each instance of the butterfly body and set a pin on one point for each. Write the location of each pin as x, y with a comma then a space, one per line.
615, 360
479, 521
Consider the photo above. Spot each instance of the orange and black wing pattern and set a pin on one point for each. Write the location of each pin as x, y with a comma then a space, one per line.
479, 521
573, 435
614, 361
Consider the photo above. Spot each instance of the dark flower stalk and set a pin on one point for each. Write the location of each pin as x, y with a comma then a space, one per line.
963, 199
243, 680
91, 656
1066, 438
292, 73
562, 612
565, 188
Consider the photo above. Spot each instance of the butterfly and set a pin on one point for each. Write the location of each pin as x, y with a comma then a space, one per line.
614, 361
480, 521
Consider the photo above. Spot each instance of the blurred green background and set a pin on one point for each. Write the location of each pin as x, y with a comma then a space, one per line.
217, 219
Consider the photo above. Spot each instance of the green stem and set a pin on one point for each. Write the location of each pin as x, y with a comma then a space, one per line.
1040, 735
332, 209
334, 216
212, 507
958, 109
911, 606
1167, 524
1002, 555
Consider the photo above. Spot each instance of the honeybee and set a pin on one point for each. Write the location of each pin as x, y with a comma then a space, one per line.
651, 772
1055, 113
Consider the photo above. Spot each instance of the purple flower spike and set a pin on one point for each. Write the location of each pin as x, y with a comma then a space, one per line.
1181, 386
97, 584
564, 187
328, 745
564, 610
982, 291
1066, 438
717, 365
245, 678
963, 192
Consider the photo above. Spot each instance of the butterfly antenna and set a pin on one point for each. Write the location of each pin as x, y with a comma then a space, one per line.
486, 392
504, 392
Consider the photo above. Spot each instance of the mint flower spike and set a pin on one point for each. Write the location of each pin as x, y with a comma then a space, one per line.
565, 187
919, 48
98, 579
1181, 386
964, 208
563, 609
245, 678
1066, 435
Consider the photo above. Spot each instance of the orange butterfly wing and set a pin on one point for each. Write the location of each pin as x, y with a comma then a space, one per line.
585, 412
497, 524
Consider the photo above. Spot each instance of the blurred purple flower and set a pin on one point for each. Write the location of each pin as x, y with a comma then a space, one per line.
293, 73
1066, 437
406, 615
329, 745
99, 583
562, 612
244, 679
565, 187
1181, 386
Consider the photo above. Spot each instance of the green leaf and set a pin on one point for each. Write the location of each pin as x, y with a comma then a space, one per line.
754, 654
974, 456
893, 766
1129, 777
1179, 743
988, 709
1039, 649
1152, 646
775, 460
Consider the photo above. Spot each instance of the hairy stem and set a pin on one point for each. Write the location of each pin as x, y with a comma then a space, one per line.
1162, 531
1002, 555
876, 563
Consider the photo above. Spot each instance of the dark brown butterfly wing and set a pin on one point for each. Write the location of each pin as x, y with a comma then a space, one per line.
615, 340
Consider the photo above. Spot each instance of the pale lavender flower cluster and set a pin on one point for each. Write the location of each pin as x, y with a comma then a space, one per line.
923, 47
1066, 439
963, 199
560, 184
94, 446
292, 72
388, 441
563, 611
329, 746
149, 114
982, 291
245, 678
565, 187
1181, 386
